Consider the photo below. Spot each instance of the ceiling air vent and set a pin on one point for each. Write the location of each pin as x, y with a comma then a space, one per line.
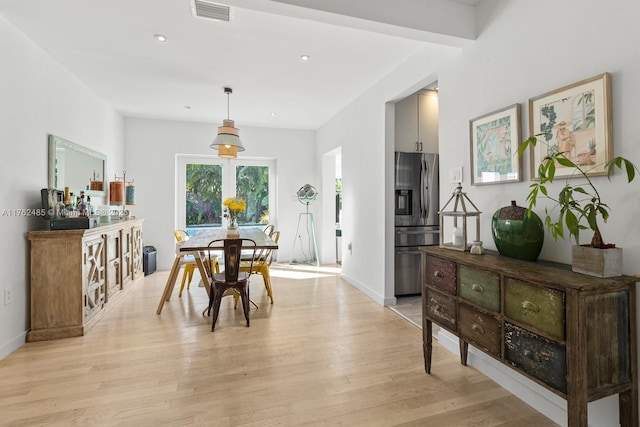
210, 10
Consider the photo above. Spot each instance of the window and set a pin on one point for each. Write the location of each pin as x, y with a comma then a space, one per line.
204, 182
252, 185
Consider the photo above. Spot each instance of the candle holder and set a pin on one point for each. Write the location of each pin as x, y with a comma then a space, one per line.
455, 222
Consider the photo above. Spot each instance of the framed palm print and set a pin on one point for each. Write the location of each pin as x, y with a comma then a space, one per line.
495, 138
576, 120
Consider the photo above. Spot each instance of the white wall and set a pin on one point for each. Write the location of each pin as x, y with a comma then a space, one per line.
38, 97
576, 40
150, 152
526, 49
531, 48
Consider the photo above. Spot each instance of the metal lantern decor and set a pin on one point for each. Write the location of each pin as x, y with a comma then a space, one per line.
455, 222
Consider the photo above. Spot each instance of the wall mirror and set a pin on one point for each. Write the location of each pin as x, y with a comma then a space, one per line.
77, 167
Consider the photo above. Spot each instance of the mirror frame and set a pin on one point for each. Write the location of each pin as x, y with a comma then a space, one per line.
54, 143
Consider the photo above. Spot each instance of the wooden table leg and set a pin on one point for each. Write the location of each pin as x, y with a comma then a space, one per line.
171, 282
204, 269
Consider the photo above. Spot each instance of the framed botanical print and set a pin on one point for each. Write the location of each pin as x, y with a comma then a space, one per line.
494, 147
575, 120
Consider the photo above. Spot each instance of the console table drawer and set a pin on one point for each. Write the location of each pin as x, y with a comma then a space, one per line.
441, 274
540, 307
441, 309
479, 286
537, 356
479, 329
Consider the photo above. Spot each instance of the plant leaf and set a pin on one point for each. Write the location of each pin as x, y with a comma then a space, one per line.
551, 171
529, 141
572, 223
604, 212
565, 162
580, 190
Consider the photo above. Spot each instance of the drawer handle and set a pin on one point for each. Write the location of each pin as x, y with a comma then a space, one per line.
438, 274
477, 328
528, 305
531, 355
478, 288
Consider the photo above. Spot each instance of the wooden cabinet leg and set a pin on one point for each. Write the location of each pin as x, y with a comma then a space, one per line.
427, 345
628, 406
464, 349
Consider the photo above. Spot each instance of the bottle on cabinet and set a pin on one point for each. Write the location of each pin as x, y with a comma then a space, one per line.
82, 205
89, 206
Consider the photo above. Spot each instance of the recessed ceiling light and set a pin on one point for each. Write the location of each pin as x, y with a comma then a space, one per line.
160, 37
273, 114
305, 58
188, 107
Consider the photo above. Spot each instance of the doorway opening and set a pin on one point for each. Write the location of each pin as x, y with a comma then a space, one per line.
332, 218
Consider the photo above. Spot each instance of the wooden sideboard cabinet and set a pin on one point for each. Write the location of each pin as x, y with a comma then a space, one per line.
573, 334
77, 274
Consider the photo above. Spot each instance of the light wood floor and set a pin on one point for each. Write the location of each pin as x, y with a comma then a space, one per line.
323, 354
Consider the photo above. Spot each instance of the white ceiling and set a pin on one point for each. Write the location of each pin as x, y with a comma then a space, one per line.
109, 45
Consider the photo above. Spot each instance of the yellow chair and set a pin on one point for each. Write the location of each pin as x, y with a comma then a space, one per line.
189, 262
269, 230
261, 263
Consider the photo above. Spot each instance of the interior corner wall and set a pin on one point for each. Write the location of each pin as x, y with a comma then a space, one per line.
39, 97
150, 153
367, 169
528, 49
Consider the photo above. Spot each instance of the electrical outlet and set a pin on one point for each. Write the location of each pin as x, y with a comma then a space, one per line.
7, 297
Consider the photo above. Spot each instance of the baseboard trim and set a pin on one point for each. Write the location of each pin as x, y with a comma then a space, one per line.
367, 291
13, 345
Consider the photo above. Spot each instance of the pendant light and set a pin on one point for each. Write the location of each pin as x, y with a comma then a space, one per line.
228, 140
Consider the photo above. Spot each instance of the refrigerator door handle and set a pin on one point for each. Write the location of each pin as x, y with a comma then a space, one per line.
409, 252
423, 210
414, 233
424, 188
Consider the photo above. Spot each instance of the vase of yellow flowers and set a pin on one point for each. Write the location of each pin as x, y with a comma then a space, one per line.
232, 208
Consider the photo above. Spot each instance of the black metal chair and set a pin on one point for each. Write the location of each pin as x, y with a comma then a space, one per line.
231, 279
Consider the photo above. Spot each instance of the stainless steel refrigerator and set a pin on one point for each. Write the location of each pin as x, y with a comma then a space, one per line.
417, 198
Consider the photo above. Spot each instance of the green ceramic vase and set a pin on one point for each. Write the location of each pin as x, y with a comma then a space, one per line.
516, 234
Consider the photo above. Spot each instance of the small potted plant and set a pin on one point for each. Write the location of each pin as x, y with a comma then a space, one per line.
579, 203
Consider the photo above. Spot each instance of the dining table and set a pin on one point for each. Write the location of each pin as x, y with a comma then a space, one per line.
198, 246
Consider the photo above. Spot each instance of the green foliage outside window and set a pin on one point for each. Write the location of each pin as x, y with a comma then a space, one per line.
252, 185
203, 194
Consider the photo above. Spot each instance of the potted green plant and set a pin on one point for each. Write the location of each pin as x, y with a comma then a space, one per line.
580, 207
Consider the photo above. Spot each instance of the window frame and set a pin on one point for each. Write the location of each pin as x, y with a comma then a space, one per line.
228, 181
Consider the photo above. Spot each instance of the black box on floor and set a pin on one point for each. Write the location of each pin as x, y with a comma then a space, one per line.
148, 259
